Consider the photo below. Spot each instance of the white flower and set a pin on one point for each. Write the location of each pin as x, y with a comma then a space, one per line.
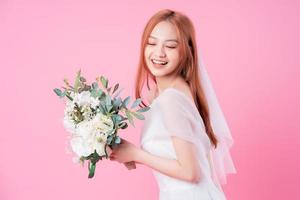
69, 124
81, 147
91, 135
85, 98
102, 123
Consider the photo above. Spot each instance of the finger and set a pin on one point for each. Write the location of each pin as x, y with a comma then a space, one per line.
112, 156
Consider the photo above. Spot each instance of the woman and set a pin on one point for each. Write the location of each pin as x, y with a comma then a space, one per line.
178, 141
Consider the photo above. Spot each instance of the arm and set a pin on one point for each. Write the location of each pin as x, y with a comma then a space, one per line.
185, 167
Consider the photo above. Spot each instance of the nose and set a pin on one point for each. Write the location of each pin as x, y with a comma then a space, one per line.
160, 52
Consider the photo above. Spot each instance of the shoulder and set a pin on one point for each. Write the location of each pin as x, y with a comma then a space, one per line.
169, 95
172, 99
176, 94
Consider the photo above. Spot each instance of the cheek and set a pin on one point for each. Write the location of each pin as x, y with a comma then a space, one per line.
173, 56
147, 53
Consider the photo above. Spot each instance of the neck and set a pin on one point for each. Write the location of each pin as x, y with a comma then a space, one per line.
166, 81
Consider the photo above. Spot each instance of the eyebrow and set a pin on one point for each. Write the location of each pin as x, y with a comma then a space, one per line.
170, 40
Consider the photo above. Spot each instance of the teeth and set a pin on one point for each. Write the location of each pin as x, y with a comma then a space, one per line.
159, 62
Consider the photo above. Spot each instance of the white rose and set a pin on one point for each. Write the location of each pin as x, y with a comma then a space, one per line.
91, 135
102, 123
81, 147
69, 125
85, 98
82, 98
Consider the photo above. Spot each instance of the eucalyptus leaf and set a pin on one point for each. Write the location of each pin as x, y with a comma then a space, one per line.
77, 83
144, 109
136, 103
104, 81
116, 118
123, 125
95, 85
92, 168
111, 132
129, 117
117, 140
102, 109
58, 92
117, 103
118, 93
96, 93
82, 79
109, 139
109, 107
115, 88
138, 115
106, 154
126, 101
64, 94
108, 100
69, 97
108, 90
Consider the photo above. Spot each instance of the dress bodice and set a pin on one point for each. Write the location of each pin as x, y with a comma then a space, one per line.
174, 114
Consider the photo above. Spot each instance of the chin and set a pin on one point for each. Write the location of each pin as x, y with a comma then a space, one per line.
159, 72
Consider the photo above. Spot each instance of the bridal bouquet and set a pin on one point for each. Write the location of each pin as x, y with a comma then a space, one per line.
93, 115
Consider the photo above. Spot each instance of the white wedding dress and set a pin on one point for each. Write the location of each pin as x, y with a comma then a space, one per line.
173, 113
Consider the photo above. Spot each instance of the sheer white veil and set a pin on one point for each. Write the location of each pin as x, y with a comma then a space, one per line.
220, 158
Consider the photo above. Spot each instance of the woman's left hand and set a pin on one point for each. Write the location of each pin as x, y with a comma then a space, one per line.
125, 152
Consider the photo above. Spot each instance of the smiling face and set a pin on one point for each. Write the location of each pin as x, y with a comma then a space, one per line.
162, 50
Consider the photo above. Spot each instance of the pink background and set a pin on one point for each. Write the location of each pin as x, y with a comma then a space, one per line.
249, 48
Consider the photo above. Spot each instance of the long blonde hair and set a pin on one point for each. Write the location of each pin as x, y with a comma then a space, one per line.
188, 62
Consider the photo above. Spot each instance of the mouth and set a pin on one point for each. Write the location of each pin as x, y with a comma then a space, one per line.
159, 62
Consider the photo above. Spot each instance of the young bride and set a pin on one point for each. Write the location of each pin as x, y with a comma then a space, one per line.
185, 138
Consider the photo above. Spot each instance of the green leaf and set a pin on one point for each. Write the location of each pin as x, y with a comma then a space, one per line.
77, 83
92, 168
102, 109
123, 125
115, 88
145, 109
104, 81
69, 97
108, 90
82, 79
138, 116
58, 92
116, 118
95, 85
109, 139
126, 101
106, 154
111, 132
129, 117
117, 140
118, 93
117, 103
96, 93
109, 107
136, 103
108, 100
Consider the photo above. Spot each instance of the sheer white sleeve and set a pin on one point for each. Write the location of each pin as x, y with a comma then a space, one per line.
176, 117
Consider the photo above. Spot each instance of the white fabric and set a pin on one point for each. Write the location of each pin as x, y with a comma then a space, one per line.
220, 158
173, 113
